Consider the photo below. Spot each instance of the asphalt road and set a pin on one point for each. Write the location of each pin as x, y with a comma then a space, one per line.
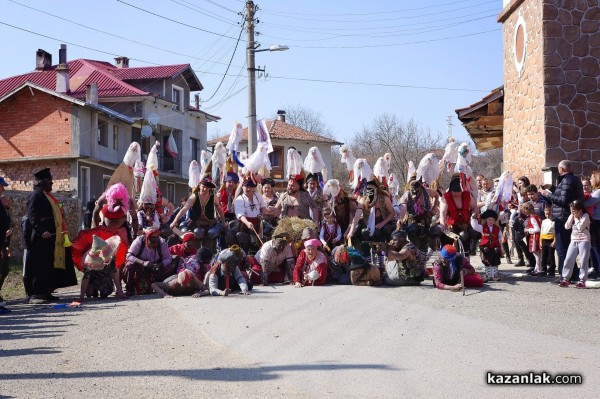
333, 341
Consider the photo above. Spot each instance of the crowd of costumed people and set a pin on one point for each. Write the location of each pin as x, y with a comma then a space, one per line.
236, 230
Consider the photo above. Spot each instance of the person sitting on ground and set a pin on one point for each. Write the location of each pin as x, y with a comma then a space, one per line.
147, 216
331, 232
446, 271
311, 265
225, 275
490, 244
185, 283
271, 215
100, 275
205, 213
405, 264
274, 262
186, 248
198, 264
380, 225
148, 261
297, 202
249, 206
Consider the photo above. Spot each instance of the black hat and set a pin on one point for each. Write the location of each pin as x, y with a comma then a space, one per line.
268, 181
312, 177
490, 213
204, 255
282, 236
357, 262
454, 185
248, 182
207, 183
43, 174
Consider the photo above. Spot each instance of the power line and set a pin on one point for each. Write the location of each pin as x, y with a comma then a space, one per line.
207, 13
117, 36
174, 21
377, 84
230, 60
368, 28
283, 13
395, 18
221, 6
410, 31
400, 44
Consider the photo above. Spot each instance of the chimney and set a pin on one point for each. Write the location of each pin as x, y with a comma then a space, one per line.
62, 71
281, 115
197, 100
122, 62
43, 60
91, 93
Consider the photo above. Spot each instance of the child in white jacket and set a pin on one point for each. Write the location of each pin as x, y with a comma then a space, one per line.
579, 222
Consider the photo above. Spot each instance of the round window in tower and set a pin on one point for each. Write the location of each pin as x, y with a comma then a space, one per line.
520, 45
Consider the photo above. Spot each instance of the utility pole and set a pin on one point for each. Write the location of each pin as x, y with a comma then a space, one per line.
449, 124
251, 46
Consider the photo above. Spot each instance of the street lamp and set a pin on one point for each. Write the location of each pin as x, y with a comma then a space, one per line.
251, 50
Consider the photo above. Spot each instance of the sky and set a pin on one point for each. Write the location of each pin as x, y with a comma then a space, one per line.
419, 60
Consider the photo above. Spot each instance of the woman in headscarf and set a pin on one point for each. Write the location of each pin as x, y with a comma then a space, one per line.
311, 265
446, 271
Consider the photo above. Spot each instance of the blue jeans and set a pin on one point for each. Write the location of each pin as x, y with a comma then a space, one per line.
563, 239
595, 235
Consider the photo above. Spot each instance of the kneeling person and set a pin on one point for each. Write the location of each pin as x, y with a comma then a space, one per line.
274, 261
446, 271
226, 276
183, 284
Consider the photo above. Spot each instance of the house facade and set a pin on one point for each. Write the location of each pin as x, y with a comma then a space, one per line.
283, 137
79, 117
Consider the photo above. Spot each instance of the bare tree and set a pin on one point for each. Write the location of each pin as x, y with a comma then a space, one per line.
404, 140
488, 163
307, 119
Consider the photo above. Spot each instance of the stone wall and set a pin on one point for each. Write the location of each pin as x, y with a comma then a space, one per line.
524, 138
19, 175
572, 73
18, 208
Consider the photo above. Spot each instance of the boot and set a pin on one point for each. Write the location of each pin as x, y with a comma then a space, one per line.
506, 252
488, 274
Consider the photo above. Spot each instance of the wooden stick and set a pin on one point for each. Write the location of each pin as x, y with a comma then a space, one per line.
257, 236
462, 280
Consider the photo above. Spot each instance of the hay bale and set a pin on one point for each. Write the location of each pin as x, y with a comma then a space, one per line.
294, 226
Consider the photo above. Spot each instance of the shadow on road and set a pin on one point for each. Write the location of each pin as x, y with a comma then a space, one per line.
208, 374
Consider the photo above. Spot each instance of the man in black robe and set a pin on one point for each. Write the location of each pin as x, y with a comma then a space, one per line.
47, 263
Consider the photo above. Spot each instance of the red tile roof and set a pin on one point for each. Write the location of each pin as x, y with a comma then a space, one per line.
110, 79
284, 131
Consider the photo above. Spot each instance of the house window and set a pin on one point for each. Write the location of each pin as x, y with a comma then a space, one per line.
171, 192
84, 185
177, 98
103, 133
276, 158
105, 180
195, 149
116, 138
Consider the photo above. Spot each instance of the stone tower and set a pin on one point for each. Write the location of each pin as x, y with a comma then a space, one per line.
551, 85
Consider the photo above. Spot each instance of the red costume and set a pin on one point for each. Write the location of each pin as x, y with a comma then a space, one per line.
534, 239
303, 265
455, 215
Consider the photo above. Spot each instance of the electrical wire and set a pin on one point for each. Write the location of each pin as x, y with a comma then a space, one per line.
354, 21
175, 21
230, 60
401, 44
221, 6
117, 36
207, 13
282, 13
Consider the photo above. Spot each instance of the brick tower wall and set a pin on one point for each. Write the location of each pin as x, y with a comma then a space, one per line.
572, 93
524, 138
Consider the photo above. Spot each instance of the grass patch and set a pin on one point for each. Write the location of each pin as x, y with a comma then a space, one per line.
13, 285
